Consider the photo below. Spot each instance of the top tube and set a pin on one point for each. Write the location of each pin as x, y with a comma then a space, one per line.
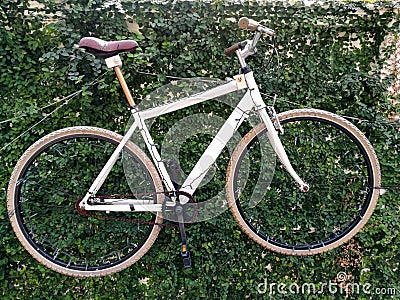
220, 90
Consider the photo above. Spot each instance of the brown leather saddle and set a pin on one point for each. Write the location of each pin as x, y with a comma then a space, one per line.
106, 49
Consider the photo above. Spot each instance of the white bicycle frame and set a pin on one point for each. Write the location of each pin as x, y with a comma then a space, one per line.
252, 100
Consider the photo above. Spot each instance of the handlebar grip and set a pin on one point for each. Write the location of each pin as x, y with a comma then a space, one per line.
231, 49
246, 23
250, 24
235, 47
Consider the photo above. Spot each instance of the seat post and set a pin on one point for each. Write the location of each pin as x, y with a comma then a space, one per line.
124, 86
115, 63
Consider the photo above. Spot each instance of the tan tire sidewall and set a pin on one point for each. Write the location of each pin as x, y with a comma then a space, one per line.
283, 116
38, 146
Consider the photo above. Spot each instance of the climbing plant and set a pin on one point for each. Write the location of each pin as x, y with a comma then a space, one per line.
331, 57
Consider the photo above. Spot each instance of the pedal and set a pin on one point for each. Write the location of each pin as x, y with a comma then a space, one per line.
187, 262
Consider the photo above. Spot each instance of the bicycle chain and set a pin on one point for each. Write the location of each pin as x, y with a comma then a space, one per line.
85, 213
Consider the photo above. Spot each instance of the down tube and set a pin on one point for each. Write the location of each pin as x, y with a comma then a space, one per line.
214, 149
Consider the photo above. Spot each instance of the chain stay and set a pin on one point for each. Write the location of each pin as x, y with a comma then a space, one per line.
169, 194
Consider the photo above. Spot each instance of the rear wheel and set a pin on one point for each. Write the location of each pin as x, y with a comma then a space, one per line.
57, 171
328, 153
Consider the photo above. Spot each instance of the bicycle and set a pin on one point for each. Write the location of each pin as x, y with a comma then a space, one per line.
84, 228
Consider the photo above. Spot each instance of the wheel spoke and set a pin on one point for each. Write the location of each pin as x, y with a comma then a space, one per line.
59, 170
338, 163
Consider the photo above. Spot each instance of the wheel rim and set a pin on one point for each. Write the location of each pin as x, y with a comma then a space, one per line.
286, 235
123, 240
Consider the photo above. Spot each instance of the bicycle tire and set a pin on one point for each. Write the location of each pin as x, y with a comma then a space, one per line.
333, 157
49, 179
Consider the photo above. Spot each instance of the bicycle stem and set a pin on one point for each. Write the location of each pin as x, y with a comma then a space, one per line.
248, 50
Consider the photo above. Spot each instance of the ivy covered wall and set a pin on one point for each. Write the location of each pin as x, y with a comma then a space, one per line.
332, 55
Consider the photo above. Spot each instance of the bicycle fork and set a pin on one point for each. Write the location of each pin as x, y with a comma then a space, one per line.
272, 134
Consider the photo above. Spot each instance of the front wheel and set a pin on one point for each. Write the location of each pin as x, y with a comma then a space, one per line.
49, 180
328, 153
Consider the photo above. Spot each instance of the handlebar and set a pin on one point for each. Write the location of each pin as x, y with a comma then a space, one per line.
235, 47
249, 24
